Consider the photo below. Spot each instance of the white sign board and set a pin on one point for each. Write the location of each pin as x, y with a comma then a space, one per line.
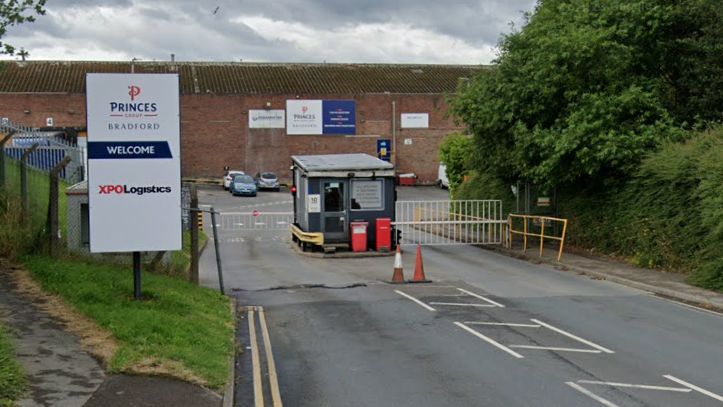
267, 119
134, 162
367, 194
415, 120
304, 117
314, 203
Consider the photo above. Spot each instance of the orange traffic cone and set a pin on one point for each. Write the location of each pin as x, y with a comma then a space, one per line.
419, 269
398, 276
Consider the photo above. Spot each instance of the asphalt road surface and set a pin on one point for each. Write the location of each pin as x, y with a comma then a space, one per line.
489, 331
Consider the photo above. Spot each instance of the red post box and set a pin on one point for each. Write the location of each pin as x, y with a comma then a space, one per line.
384, 234
358, 236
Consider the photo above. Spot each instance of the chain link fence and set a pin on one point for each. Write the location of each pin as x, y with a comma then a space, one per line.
36, 168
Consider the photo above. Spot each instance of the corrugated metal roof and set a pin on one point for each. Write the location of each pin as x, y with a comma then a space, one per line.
243, 77
341, 162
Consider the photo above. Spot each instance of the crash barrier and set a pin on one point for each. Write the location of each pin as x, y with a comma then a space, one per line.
520, 225
450, 222
316, 238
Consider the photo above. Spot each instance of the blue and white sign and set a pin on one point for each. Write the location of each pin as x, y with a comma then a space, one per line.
384, 149
339, 116
310, 117
134, 166
267, 119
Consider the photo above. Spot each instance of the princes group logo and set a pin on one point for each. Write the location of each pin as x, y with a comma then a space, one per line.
134, 91
303, 115
133, 109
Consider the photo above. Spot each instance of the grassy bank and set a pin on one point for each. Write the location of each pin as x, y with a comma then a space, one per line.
178, 329
12, 380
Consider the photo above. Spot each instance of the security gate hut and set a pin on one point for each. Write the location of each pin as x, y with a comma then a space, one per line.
334, 190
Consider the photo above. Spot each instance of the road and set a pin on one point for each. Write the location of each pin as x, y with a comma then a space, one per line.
489, 331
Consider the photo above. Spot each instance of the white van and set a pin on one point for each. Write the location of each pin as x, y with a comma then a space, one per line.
442, 180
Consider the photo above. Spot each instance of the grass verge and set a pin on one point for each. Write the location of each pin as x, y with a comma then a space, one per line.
178, 329
12, 379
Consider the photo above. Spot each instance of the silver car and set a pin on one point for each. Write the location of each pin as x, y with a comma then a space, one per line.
267, 180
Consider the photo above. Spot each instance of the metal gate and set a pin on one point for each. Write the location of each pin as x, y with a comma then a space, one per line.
256, 220
450, 222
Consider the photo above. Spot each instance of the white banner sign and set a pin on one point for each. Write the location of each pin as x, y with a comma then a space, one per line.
134, 162
304, 117
267, 119
415, 120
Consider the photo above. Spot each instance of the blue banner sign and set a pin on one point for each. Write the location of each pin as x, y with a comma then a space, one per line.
338, 117
128, 149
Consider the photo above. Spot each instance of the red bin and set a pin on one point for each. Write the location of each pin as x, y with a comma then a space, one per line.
358, 236
384, 234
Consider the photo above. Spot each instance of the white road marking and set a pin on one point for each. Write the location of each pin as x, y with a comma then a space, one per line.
481, 298
489, 340
555, 349
636, 386
415, 300
260, 223
459, 304
591, 394
694, 387
569, 335
502, 324
686, 305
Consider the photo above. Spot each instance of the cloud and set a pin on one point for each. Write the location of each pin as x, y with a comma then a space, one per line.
404, 31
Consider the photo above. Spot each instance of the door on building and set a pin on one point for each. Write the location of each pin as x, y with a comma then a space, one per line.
335, 211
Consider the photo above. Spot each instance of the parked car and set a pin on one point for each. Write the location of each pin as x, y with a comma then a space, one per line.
228, 177
267, 180
442, 180
243, 185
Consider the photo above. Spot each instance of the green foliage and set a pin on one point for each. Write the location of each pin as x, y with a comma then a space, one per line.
176, 323
14, 12
668, 215
17, 238
456, 153
12, 379
484, 186
588, 87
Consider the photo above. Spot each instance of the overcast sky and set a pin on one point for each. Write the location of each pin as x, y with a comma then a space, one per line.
372, 31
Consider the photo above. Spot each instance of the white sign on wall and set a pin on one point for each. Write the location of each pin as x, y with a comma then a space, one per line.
134, 162
304, 117
267, 119
314, 203
415, 120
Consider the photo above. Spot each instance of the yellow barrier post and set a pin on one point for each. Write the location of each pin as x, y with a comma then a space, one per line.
542, 236
562, 241
524, 218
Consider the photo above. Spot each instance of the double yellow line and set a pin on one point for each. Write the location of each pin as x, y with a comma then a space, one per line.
256, 361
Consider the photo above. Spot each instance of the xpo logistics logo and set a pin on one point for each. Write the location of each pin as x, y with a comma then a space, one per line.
124, 189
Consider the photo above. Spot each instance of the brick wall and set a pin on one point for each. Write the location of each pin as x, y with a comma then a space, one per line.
215, 131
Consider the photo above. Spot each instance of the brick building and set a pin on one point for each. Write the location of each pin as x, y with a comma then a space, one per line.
218, 99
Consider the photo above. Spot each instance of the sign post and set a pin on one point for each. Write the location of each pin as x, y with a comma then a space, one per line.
134, 168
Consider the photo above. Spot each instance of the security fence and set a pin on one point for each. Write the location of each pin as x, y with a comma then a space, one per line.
450, 222
35, 169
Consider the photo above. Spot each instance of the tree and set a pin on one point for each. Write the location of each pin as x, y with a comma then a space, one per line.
584, 89
455, 153
14, 12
